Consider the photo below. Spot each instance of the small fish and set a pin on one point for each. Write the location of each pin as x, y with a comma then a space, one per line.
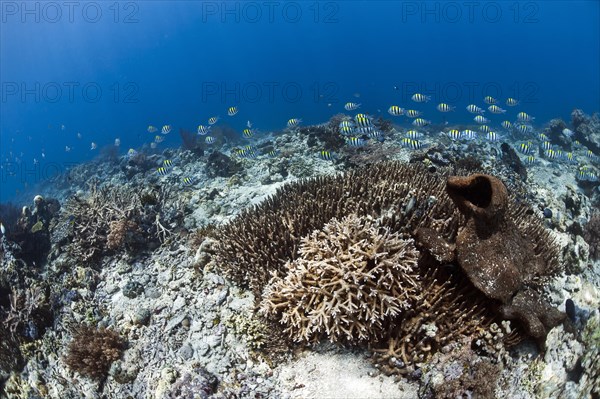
511, 102
468, 134
481, 119
474, 109
454, 134
152, 129
78, 135
569, 157
167, 163
209, 140
131, 153
326, 155
186, 181
153, 145
203, 130
420, 98
489, 100
273, 153
420, 122
247, 152
293, 122
587, 175
248, 133
355, 141
492, 136
346, 123
526, 148
568, 132
364, 130
346, 130
166, 129
67, 148
249, 125
213, 120
411, 113
412, 144
117, 142
351, 106
158, 139
546, 145
530, 160
162, 171
484, 129
443, 107
524, 117
551, 154
542, 137
362, 120
507, 125
413, 134
524, 129
377, 135
2, 229
494, 109
231, 111
591, 155
93, 146
395, 110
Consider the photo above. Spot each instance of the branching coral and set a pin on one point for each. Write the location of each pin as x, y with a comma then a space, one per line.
481, 259
111, 218
349, 282
262, 239
92, 351
591, 235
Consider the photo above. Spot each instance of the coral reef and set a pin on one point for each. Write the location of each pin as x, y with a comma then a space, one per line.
113, 218
220, 165
348, 284
468, 224
590, 379
591, 235
587, 129
92, 351
460, 373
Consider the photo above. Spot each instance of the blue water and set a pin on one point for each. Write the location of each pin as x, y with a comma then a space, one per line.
107, 70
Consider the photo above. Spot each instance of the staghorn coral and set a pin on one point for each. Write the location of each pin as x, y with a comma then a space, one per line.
92, 351
265, 242
350, 281
591, 235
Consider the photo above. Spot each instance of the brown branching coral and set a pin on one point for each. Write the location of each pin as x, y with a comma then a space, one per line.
263, 238
591, 235
92, 351
446, 309
349, 282
482, 258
